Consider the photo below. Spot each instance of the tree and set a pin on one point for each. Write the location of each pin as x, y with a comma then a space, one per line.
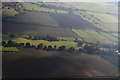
79, 43
40, 46
27, 45
10, 43
71, 49
76, 40
30, 37
55, 47
45, 47
35, 38
21, 44
90, 49
12, 35
80, 50
3, 43
49, 48
61, 48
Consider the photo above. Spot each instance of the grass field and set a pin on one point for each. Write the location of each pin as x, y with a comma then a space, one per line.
9, 49
96, 6
9, 11
30, 6
93, 36
53, 43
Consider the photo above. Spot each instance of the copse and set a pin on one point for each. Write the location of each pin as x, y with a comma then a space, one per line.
90, 49
10, 43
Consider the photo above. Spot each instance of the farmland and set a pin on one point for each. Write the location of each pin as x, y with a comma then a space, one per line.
55, 64
59, 40
53, 43
8, 49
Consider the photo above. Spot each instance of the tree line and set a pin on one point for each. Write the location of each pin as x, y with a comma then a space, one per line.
47, 38
91, 49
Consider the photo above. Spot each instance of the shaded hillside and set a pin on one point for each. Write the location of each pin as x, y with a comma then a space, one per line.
72, 21
39, 63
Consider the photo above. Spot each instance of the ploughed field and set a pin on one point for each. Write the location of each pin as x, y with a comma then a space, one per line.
29, 62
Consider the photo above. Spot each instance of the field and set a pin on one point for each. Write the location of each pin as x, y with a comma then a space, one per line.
100, 7
90, 29
39, 63
68, 44
93, 36
8, 49
30, 6
9, 12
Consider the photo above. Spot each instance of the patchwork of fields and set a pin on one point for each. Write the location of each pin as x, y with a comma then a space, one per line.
81, 26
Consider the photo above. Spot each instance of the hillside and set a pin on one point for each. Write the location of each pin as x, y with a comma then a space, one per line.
54, 64
51, 39
58, 19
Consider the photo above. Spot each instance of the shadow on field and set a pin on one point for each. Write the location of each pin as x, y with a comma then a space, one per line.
42, 67
22, 65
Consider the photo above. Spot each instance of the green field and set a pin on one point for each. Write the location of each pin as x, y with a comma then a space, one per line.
93, 36
9, 49
68, 44
9, 12
96, 7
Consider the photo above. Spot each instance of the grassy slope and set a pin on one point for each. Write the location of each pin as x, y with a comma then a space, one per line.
99, 11
44, 18
9, 12
96, 6
93, 36
30, 6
